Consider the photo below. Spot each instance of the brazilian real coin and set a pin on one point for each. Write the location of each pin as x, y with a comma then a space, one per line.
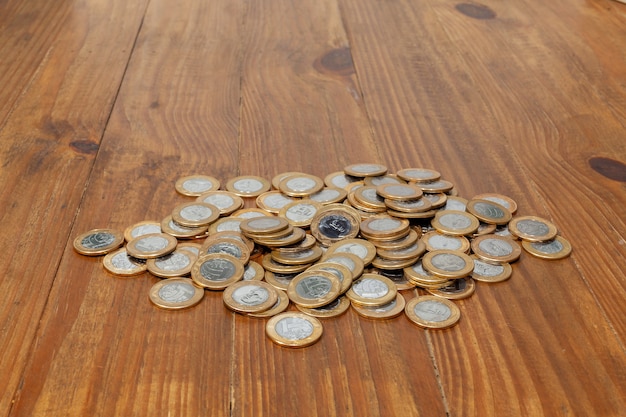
351, 261
448, 264
195, 214
294, 329
300, 213
121, 264
169, 226
306, 256
174, 264
432, 312
342, 272
151, 245
250, 296
314, 288
439, 186
335, 222
142, 228
263, 226
489, 211
490, 272
225, 201
456, 223
532, 229
339, 179
557, 248
248, 186
503, 200
438, 241
253, 272
175, 294
230, 246
329, 195
281, 305
384, 227
372, 290
359, 247
216, 271
300, 185
98, 242
419, 174
365, 170
195, 185
399, 191
383, 179
333, 309
390, 310
494, 248
456, 290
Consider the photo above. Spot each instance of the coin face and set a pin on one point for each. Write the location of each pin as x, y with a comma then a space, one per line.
339, 179
250, 297
151, 246
332, 225
494, 248
263, 225
503, 200
359, 247
419, 174
232, 247
448, 264
489, 211
175, 264
490, 272
294, 329
372, 290
314, 288
216, 271
329, 195
556, 248
455, 223
120, 263
532, 228
248, 186
300, 185
432, 312
437, 241
169, 226
142, 228
365, 170
195, 214
225, 201
332, 309
98, 242
279, 306
387, 311
300, 213
195, 185
175, 294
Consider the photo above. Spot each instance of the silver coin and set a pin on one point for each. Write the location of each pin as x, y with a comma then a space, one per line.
221, 201
313, 287
294, 328
431, 310
251, 295
370, 288
177, 292
217, 269
97, 240
496, 247
448, 262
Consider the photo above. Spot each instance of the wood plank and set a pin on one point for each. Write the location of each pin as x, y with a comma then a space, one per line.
444, 86
48, 145
103, 349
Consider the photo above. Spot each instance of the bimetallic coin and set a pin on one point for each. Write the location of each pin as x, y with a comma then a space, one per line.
195, 214
455, 203
151, 246
532, 229
421, 277
359, 247
485, 229
342, 273
557, 248
392, 264
401, 243
383, 179
390, 310
332, 309
448, 264
432, 312
368, 198
383, 226
439, 186
290, 236
339, 179
98, 242
314, 288
233, 247
399, 191
263, 226
437, 200
300, 185
142, 228
216, 271
191, 247
372, 290
300, 213
175, 264
175, 294
269, 264
365, 170
419, 174
278, 307
329, 195
251, 212
253, 272
306, 243
503, 200
293, 329
172, 228
120, 263
195, 185
306, 256
248, 186
494, 248
349, 260
489, 212
250, 296
335, 222
437, 241
419, 205
225, 201
490, 272
410, 252
273, 201
458, 289
397, 276
229, 234
455, 223
279, 280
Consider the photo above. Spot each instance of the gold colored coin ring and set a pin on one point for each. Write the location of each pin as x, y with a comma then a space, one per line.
504, 218
276, 179
362, 198
334, 309
306, 256
269, 264
418, 215
213, 196
280, 306
211, 284
390, 192
403, 206
372, 300
225, 224
437, 200
350, 216
233, 304
232, 186
429, 263
140, 267
155, 269
426, 175
392, 264
230, 234
419, 278
352, 200
276, 238
276, 282
102, 249
531, 248
466, 292
386, 179
373, 170
341, 195
256, 227
180, 185
439, 223
331, 295
259, 272
410, 239
462, 243
136, 252
330, 179
515, 230
250, 212
185, 233
342, 272
304, 222
179, 218
480, 251
383, 312
128, 232
288, 190
306, 243
485, 229
261, 201
156, 298
438, 186
451, 313
236, 245
296, 235
298, 341
505, 274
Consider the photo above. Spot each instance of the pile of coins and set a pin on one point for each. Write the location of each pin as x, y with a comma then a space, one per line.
353, 239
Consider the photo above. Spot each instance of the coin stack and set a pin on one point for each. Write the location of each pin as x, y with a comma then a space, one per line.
353, 239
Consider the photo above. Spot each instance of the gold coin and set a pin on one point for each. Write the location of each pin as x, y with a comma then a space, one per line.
98, 242
332, 309
388, 311
458, 289
448, 264
300, 213
120, 263
142, 228
280, 306
264, 226
399, 192
175, 294
418, 205
253, 272
339, 179
269, 264
489, 212
372, 290
273, 201
314, 288
225, 201
490, 272
169, 226
349, 260
432, 312
306, 256
195, 214
174, 264
248, 186
456, 223
329, 195
152, 245
294, 330
384, 227
437, 241
195, 185
532, 229
365, 170
359, 247
335, 222
250, 296
439, 186
368, 197
216, 271
230, 246
300, 185
414, 251
342, 272
419, 174
494, 248
503, 200
557, 248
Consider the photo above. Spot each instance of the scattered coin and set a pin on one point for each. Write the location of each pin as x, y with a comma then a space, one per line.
175, 264
372, 290
293, 329
532, 229
248, 186
494, 248
333, 309
175, 294
432, 312
152, 245
98, 242
122, 264
489, 211
195, 185
250, 296
557, 248
142, 228
216, 271
387, 311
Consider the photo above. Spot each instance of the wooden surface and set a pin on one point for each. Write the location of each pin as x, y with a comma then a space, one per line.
104, 104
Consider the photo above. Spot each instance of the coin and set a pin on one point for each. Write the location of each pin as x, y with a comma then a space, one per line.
372, 290
421, 277
339, 179
387, 311
269, 264
225, 224
503, 200
233, 247
418, 205
494, 248
342, 272
456, 223
364, 209
332, 309
392, 264
300, 185
293, 329
225, 201
175, 294
329, 195
365, 170
439, 186
294, 235
490, 272
556, 248
142, 228
279, 280
436, 241
314, 288
305, 256
216, 271
120, 263
369, 198
306, 243
273, 201
195, 214
174, 264
278, 307
152, 245
250, 296
253, 272
195, 185
397, 244
485, 229
335, 222
349, 260
455, 203
263, 226
489, 212
384, 226
399, 191
414, 251
419, 174
98, 242
169, 226
229, 234
458, 289
383, 179
532, 228
448, 264
437, 200
300, 213
397, 276
359, 247
191, 247
248, 186
278, 178
432, 312
251, 212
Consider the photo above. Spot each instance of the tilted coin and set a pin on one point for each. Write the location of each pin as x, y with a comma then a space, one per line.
365, 209
195, 185
169, 226
279, 280
384, 226
365, 170
332, 309
414, 251
372, 290
225, 224
532, 228
98, 242
278, 178
359, 247
195, 214
401, 243
174, 264
351, 261
421, 277
503, 200
248, 186
175, 294
305, 256
292, 236
456, 223
436, 241
229, 234
439, 186
278, 307
250, 296
339, 179
399, 191
142, 228
368, 197
253, 272
300, 185
432, 312
387, 311
120, 263
333, 223
485, 229
458, 289
314, 288
448, 264
329, 195
419, 174
248, 213
300, 213
225, 201
556, 248
342, 272
397, 276
455, 203
412, 215
294, 330
261, 226
269, 264
306, 243
437, 200
392, 264
274, 201
152, 245
489, 211
191, 247
216, 271
233, 247
490, 272
383, 179
494, 248
418, 205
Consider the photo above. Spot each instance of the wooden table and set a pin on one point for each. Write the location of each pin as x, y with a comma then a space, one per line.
104, 104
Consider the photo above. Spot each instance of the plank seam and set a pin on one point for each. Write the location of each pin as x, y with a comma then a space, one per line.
433, 360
